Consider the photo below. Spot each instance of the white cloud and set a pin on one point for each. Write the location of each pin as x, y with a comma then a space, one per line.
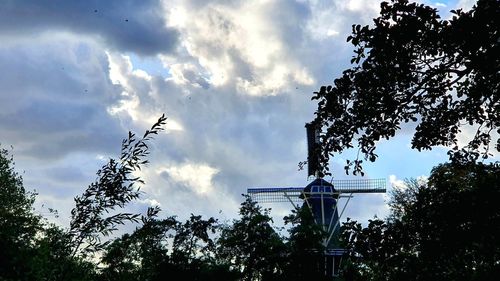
187, 73
396, 183
139, 96
360, 5
332, 32
335, 18
186, 187
258, 61
465, 4
197, 177
150, 202
172, 125
236, 44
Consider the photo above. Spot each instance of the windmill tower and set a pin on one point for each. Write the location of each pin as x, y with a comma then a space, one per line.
322, 199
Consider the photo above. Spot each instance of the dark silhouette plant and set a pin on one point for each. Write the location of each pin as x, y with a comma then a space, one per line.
412, 66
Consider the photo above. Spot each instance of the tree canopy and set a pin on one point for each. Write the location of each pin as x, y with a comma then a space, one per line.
443, 229
411, 66
251, 244
18, 224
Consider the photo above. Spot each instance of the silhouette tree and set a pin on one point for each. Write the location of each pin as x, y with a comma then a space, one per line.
193, 248
141, 254
92, 217
251, 245
18, 224
305, 260
445, 229
114, 188
30, 247
412, 66
165, 248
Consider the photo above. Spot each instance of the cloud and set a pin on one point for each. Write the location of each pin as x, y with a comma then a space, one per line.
465, 4
240, 89
248, 140
441, 5
237, 93
196, 177
186, 73
335, 18
240, 43
54, 95
396, 183
137, 26
359, 5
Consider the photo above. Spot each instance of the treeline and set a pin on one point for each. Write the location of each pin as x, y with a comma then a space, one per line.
248, 248
444, 229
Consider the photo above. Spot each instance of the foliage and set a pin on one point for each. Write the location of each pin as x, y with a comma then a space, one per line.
446, 229
18, 224
193, 239
304, 247
251, 245
137, 256
114, 188
31, 248
412, 66
193, 250
52, 258
144, 254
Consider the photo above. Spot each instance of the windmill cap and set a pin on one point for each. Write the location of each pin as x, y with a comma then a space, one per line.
318, 185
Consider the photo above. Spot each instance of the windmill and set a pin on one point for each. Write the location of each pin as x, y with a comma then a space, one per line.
322, 199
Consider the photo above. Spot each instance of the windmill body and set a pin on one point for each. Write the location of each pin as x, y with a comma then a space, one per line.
322, 199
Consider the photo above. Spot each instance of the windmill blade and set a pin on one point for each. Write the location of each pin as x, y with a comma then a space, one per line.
275, 194
254, 190
312, 149
360, 186
292, 194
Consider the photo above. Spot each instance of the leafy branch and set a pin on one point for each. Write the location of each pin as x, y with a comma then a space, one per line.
115, 187
412, 66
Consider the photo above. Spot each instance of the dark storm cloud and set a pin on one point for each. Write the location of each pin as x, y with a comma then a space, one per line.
127, 25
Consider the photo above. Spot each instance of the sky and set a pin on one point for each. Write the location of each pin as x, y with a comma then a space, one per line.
235, 79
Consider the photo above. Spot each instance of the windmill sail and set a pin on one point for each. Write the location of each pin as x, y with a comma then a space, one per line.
293, 193
312, 149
